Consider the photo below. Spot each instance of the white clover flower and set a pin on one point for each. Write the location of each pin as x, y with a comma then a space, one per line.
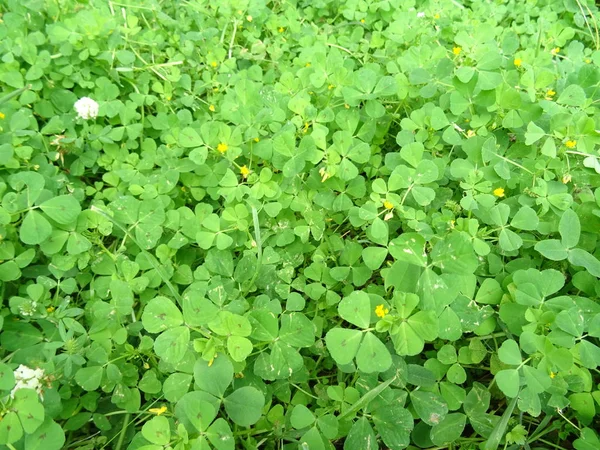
86, 108
27, 378
420, 15
27, 308
21, 371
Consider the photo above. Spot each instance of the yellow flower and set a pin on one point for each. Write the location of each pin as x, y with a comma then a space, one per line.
306, 126
566, 178
456, 50
249, 18
550, 93
244, 171
571, 144
2, 116
211, 108
388, 205
213, 64
555, 50
222, 148
436, 16
470, 133
281, 29
587, 60
362, 20
158, 411
499, 192
381, 311
346, 105
331, 86
50, 309
256, 139
307, 64
552, 375
517, 62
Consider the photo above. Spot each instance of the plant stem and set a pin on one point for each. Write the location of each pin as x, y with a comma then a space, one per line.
122, 432
551, 444
232, 41
14, 94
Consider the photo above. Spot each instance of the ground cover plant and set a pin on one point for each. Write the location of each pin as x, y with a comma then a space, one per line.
307, 224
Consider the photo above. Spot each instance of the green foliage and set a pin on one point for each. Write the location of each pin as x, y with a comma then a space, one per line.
299, 225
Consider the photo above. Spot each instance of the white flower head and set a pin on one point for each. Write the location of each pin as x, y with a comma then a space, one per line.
86, 108
420, 15
27, 308
27, 378
22, 372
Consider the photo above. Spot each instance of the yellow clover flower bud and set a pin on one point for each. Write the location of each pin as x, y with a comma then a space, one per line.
158, 411
381, 311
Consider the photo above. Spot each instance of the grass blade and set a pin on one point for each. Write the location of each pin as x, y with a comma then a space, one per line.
500, 429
